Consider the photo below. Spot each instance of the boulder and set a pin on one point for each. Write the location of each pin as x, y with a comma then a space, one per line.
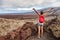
54, 26
26, 30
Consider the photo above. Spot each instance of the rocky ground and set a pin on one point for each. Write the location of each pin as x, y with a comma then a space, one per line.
26, 29
51, 31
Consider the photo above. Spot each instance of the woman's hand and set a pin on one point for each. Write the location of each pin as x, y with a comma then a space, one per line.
36, 11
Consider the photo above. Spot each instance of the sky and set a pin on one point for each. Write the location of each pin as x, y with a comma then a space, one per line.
26, 5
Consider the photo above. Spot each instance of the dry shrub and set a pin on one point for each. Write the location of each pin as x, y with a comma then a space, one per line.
2, 38
54, 26
21, 33
28, 29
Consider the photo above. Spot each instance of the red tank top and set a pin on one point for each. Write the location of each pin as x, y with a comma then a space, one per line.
41, 19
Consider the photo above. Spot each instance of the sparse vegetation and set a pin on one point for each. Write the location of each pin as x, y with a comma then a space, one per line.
10, 29
54, 26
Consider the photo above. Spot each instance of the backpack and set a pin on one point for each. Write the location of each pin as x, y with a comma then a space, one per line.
41, 19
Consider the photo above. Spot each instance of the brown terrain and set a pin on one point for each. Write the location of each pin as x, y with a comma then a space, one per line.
24, 27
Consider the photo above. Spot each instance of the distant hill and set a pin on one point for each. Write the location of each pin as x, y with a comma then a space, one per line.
32, 12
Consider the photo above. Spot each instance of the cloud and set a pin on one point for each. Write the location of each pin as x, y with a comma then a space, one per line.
21, 3
28, 3
56, 4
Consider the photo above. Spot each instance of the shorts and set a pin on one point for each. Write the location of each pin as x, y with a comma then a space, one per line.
40, 24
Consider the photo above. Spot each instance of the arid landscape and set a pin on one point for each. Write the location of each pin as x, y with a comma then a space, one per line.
18, 23
24, 27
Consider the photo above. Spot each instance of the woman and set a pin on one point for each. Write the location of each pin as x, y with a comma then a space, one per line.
41, 21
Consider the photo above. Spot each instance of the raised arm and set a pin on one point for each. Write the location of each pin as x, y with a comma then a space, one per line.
36, 11
48, 11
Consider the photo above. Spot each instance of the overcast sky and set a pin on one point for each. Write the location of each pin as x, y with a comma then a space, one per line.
28, 4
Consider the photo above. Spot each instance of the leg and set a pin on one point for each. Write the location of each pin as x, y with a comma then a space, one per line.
41, 30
